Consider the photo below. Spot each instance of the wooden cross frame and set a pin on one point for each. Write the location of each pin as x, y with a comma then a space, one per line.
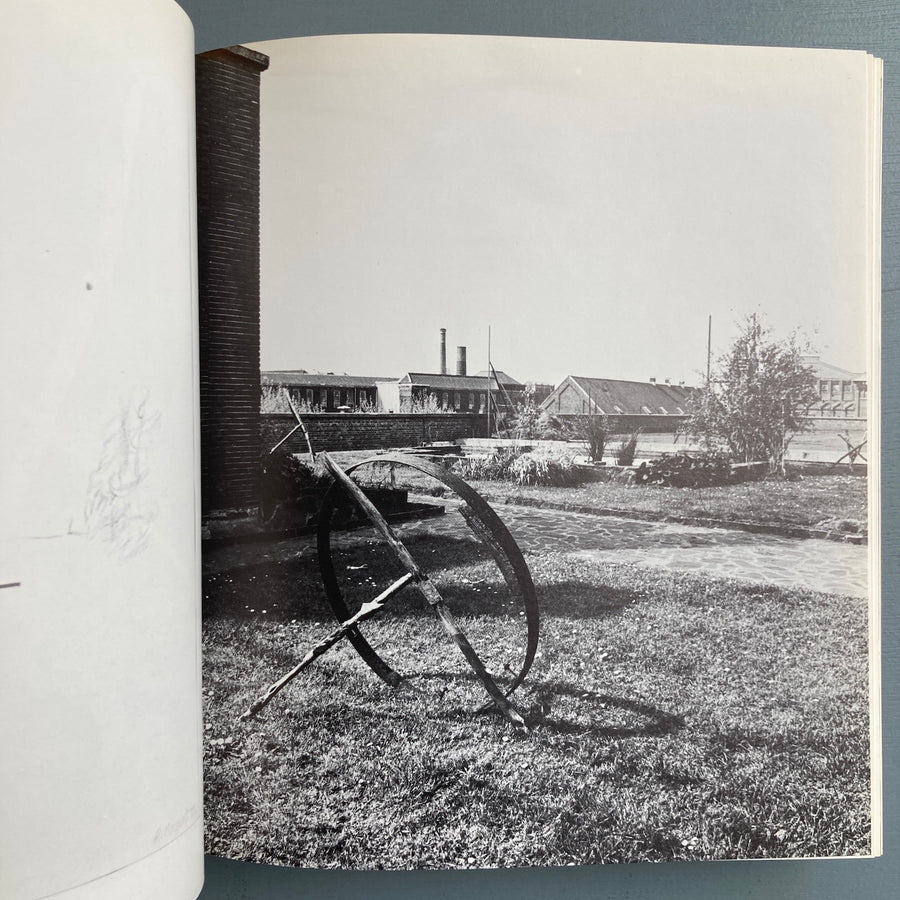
853, 451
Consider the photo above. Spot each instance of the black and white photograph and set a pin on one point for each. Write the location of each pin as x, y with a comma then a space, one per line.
535, 452
441, 451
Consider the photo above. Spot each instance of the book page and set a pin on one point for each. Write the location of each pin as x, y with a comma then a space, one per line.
658, 264
99, 659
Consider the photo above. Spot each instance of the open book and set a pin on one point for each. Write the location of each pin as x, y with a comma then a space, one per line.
595, 203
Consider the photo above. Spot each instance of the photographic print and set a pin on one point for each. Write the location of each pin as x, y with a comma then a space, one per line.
537, 392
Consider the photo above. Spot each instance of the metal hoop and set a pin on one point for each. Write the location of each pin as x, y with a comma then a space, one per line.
485, 524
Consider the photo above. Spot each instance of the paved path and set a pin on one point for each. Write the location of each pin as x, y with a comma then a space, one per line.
827, 566
822, 565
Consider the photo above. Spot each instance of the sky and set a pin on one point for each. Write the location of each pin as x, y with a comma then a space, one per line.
592, 203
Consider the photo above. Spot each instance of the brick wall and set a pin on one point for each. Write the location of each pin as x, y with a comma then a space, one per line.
369, 431
227, 84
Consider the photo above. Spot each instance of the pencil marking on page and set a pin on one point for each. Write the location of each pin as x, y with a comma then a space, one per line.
119, 510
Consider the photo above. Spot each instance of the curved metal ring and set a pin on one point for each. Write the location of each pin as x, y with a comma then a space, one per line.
487, 527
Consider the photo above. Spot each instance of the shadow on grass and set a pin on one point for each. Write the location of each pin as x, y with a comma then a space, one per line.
651, 721
656, 722
293, 590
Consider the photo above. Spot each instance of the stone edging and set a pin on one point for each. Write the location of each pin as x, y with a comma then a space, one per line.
791, 531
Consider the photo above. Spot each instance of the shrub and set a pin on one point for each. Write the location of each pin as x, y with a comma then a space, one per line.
526, 422
555, 469
429, 403
494, 467
684, 470
596, 432
272, 399
509, 464
285, 478
626, 449
553, 428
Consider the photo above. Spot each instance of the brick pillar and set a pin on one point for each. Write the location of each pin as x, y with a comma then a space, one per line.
227, 83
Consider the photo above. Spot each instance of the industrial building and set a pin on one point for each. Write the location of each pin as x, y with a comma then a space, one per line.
842, 394
313, 391
459, 391
577, 395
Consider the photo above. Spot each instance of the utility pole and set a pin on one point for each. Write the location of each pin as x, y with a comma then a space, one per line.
488, 395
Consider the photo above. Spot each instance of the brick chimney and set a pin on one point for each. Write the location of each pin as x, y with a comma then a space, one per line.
460, 360
227, 86
443, 351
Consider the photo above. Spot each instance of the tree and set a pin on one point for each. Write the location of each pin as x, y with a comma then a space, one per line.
528, 416
753, 400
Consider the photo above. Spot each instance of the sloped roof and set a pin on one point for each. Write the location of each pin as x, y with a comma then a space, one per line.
631, 397
828, 371
295, 378
450, 382
502, 377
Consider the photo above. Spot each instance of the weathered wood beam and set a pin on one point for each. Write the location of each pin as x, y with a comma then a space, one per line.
312, 454
366, 611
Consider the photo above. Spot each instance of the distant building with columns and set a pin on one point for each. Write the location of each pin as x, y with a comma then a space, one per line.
842, 394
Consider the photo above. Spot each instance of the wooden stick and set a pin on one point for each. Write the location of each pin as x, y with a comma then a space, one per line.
503, 390
366, 611
385, 530
284, 439
312, 454
491, 686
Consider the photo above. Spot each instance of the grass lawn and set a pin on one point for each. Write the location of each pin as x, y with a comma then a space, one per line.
672, 717
808, 501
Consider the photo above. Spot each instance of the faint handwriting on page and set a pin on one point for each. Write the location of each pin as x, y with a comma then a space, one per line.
119, 509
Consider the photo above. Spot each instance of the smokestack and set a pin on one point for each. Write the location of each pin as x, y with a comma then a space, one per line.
443, 351
460, 360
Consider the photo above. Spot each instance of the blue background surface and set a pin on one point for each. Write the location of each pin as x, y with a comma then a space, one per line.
871, 26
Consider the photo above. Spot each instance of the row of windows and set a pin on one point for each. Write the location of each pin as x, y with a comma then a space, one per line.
460, 400
838, 390
332, 398
617, 410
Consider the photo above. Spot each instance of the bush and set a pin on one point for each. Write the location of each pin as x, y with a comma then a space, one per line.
494, 467
285, 478
273, 400
509, 464
526, 422
553, 428
626, 449
557, 469
596, 433
684, 470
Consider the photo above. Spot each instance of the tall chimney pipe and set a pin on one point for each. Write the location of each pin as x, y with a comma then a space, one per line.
460, 360
443, 351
